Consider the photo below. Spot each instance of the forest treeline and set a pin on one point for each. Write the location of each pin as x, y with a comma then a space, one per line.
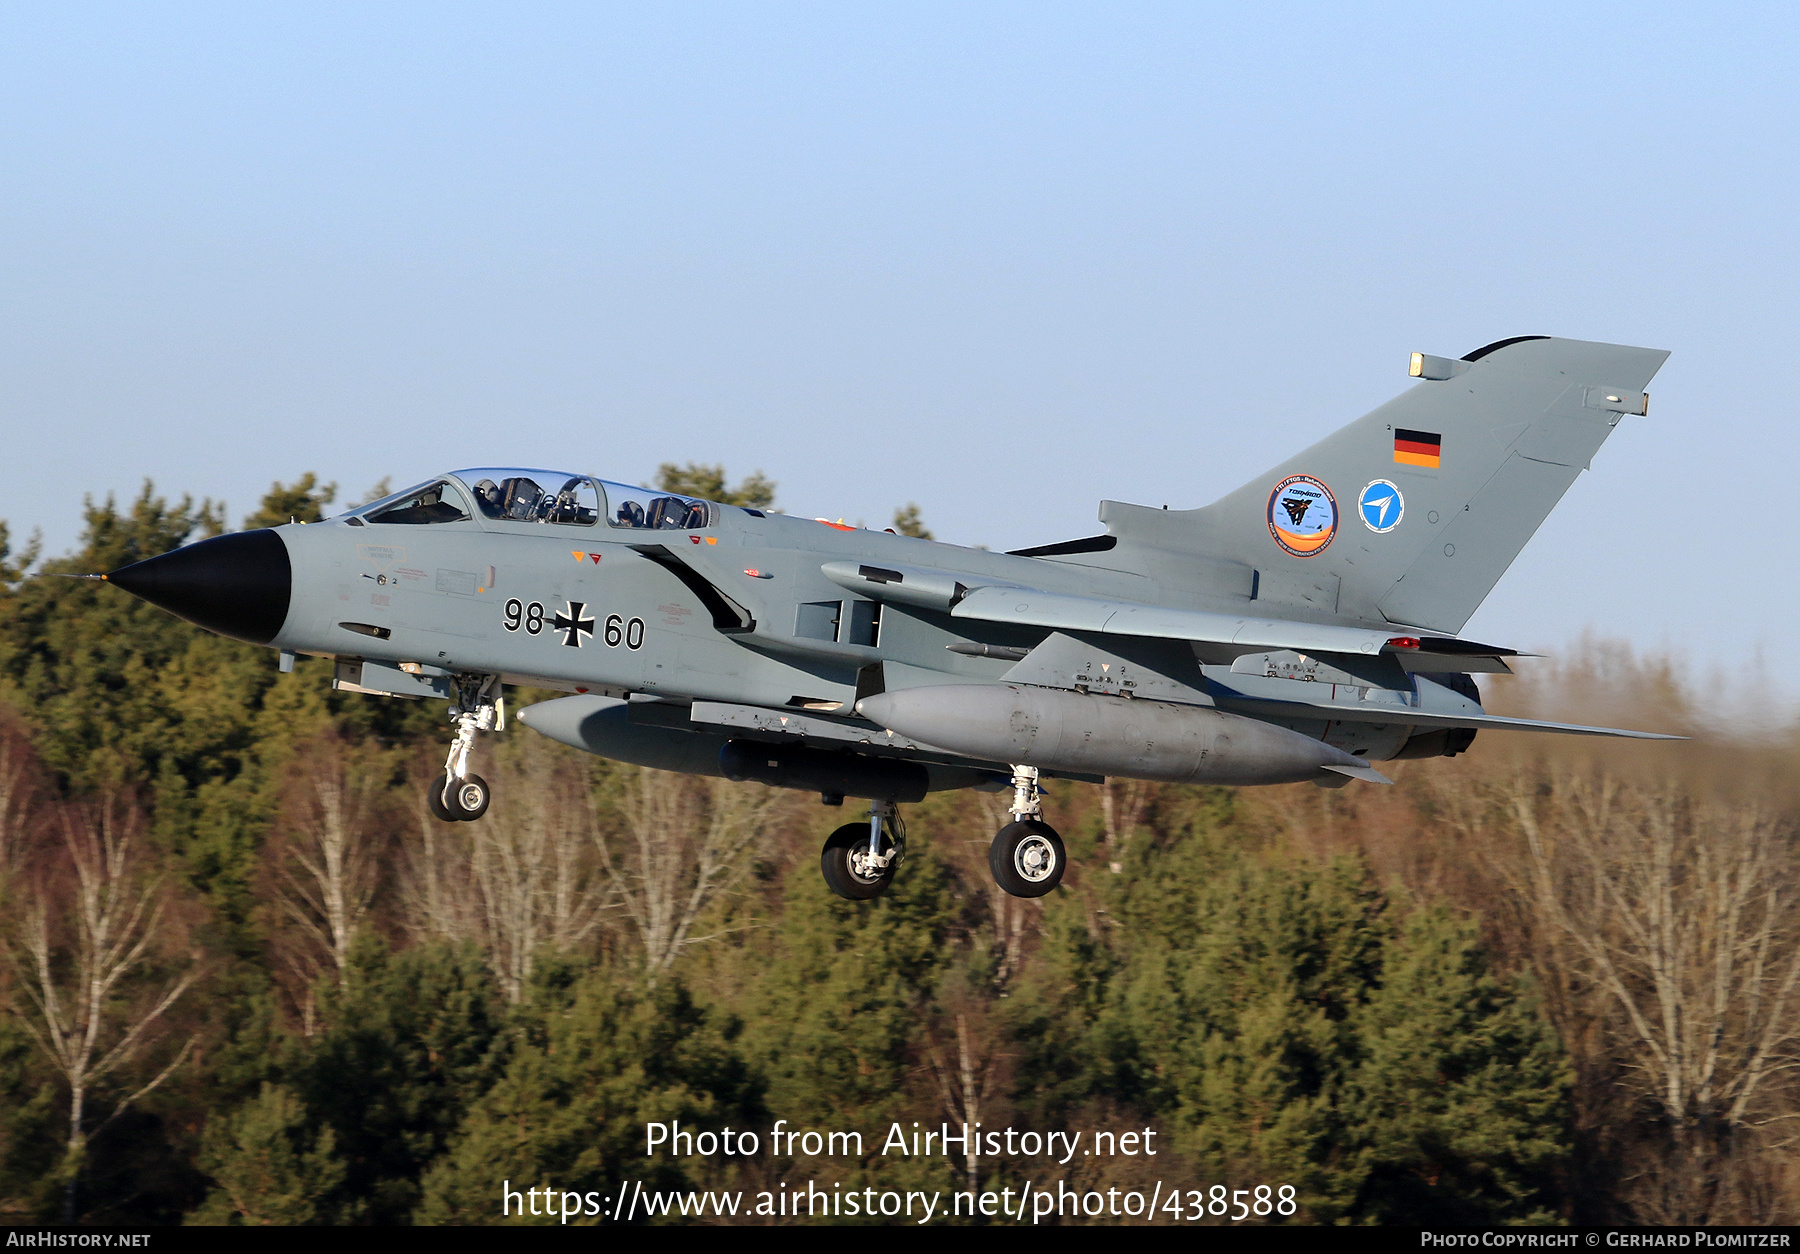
249, 979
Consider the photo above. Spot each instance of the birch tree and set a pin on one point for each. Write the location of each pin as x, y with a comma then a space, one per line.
1006, 913
1122, 806
437, 890
523, 877
1685, 918
327, 863
532, 863
964, 1082
685, 843
83, 943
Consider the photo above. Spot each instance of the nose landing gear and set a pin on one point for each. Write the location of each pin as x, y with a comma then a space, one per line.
1027, 857
458, 796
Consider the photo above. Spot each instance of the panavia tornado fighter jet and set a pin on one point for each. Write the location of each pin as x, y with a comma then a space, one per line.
1304, 627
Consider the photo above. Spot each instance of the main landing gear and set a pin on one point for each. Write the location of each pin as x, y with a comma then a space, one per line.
859, 859
1027, 857
458, 796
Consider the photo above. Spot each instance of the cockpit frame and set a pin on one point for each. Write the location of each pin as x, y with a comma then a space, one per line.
507, 495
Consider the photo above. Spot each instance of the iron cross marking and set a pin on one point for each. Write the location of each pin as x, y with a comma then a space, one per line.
573, 625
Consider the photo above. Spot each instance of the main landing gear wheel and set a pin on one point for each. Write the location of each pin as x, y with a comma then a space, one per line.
859, 859
1027, 858
848, 868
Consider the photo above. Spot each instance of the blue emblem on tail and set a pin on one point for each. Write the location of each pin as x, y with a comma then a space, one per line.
1381, 506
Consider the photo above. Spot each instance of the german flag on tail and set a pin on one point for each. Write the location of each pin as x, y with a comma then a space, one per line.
1418, 448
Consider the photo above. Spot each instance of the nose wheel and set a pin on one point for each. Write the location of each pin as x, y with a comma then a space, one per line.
458, 796
1027, 858
459, 800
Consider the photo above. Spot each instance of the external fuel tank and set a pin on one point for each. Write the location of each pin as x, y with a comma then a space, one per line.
1054, 729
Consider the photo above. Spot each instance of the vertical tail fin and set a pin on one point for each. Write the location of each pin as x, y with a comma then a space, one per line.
1412, 513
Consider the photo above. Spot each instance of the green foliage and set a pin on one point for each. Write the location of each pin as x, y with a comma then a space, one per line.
30, 1149
908, 522
95, 670
13, 568
414, 1041
833, 1007
1464, 1091
303, 500
269, 1168
1294, 1025
595, 1064
121, 695
754, 491
382, 487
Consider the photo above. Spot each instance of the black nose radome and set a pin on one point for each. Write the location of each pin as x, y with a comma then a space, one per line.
237, 585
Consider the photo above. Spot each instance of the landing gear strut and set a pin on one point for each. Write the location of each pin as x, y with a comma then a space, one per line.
456, 795
859, 859
1027, 857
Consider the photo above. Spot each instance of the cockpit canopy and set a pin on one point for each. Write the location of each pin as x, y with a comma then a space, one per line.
541, 496
642, 507
546, 496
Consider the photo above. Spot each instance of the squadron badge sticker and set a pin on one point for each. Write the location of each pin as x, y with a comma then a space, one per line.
1303, 515
1381, 506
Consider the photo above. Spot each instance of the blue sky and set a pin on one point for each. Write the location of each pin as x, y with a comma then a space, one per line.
1001, 260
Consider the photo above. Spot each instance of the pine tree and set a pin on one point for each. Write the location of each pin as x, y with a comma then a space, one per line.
270, 1169
908, 522
754, 491
30, 1150
599, 1061
1291, 1024
413, 1041
1464, 1090
303, 500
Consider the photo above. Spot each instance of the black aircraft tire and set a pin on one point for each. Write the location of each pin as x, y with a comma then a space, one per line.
1027, 858
839, 863
434, 797
469, 797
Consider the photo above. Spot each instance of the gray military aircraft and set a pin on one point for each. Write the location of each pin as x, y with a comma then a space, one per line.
1301, 628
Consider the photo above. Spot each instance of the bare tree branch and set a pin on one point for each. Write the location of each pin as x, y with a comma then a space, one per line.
327, 863
1683, 915
686, 843
74, 984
